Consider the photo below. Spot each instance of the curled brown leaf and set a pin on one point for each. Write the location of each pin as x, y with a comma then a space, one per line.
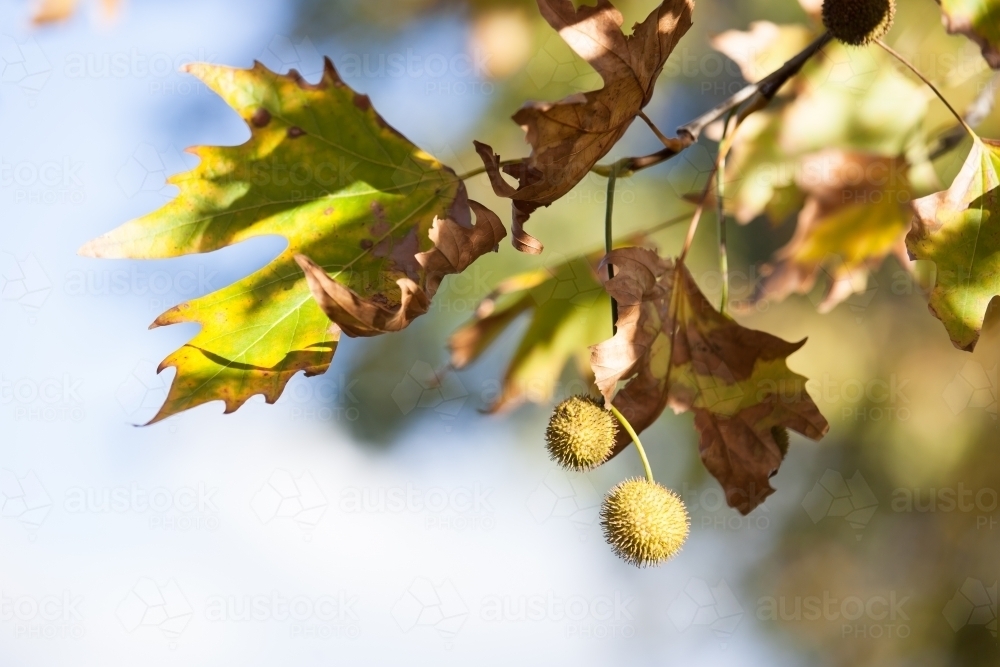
568, 137
455, 248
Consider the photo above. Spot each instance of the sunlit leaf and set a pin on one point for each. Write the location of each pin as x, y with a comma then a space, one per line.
569, 311
959, 230
673, 348
324, 171
568, 137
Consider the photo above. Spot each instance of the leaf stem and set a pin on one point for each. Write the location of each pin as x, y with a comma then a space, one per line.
609, 238
898, 56
975, 114
635, 439
720, 177
482, 170
667, 142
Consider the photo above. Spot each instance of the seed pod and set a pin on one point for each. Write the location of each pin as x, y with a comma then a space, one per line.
645, 523
858, 22
581, 433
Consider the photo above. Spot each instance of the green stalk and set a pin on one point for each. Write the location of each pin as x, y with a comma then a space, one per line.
635, 439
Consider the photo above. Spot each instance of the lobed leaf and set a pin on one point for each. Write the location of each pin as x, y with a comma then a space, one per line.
568, 137
959, 230
323, 170
673, 348
568, 313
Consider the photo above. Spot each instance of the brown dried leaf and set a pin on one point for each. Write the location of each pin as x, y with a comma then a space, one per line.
673, 348
455, 248
568, 137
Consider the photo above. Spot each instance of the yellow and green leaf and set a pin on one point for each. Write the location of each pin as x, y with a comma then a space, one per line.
959, 230
569, 312
324, 171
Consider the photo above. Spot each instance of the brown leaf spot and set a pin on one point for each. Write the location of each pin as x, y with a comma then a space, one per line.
328, 210
362, 102
366, 244
294, 132
261, 117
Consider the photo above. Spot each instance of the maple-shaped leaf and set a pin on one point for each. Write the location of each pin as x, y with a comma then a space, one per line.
323, 170
857, 211
568, 137
979, 20
569, 312
673, 348
959, 230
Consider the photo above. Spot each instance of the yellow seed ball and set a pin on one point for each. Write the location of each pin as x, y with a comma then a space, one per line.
581, 433
858, 22
645, 523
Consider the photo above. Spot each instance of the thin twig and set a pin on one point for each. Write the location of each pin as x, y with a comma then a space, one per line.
898, 56
720, 177
975, 114
764, 91
766, 88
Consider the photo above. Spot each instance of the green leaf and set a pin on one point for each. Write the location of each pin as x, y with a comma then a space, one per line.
979, 20
569, 312
959, 230
322, 170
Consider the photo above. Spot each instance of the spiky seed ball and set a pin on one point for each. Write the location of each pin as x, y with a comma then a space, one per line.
645, 523
581, 433
858, 22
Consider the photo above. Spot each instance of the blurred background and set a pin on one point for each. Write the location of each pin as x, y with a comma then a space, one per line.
372, 516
